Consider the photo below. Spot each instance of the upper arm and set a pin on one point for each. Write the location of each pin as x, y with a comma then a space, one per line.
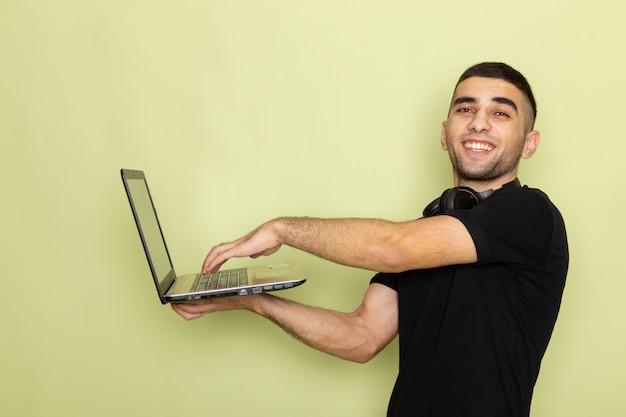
431, 242
378, 314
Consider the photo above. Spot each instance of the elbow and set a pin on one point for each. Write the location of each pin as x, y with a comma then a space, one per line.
393, 254
362, 359
393, 260
363, 354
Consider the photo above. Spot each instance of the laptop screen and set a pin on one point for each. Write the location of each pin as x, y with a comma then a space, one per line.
149, 228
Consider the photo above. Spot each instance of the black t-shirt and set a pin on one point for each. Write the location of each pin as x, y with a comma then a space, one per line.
472, 336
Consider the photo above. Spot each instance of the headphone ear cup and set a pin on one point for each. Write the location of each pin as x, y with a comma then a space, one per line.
447, 200
432, 209
439, 205
454, 199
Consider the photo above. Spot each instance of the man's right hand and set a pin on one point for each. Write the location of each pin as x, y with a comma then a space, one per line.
262, 241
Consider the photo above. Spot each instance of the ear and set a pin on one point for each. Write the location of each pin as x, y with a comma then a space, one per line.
532, 143
444, 142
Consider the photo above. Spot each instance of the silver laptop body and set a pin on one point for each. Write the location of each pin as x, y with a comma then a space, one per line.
173, 288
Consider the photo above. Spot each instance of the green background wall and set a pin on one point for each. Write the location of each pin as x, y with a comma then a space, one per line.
343, 101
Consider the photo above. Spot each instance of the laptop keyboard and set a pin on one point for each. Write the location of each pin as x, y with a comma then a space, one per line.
223, 279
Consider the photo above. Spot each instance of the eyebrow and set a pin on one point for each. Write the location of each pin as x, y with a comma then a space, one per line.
501, 100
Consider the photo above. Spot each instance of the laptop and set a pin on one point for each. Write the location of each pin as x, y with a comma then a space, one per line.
176, 289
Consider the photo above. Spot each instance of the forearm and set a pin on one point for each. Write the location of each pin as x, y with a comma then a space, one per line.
344, 335
356, 336
363, 243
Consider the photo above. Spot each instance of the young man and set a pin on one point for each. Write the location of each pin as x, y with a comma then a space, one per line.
473, 291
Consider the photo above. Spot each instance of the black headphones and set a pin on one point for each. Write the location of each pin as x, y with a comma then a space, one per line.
460, 198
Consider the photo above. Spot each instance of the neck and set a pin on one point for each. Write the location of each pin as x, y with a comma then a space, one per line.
484, 185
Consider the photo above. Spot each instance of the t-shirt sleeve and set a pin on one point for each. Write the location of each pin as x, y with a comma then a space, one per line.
514, 227
388, 279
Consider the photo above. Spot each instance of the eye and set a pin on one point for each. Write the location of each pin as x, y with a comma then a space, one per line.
501, 114
464, 110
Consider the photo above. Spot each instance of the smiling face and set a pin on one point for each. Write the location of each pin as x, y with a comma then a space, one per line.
488, 132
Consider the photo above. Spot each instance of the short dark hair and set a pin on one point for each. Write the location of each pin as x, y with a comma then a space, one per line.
504, 72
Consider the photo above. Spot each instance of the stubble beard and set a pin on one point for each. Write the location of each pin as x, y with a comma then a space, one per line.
494, 169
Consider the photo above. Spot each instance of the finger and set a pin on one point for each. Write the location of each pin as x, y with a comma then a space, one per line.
193, 310
183, 312
216, 258
213, 264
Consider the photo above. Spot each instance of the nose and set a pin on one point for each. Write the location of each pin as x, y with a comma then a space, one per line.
479, 122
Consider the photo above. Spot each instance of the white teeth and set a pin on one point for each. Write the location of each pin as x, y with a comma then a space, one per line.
475, 146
